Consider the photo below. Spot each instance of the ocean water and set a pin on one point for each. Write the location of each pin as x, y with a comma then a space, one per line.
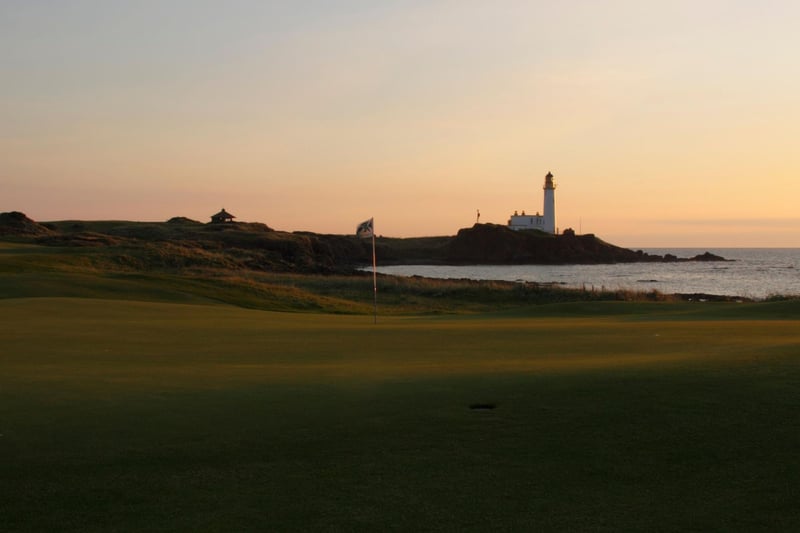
751, 272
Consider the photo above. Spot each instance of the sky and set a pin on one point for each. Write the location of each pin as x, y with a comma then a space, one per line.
665, 124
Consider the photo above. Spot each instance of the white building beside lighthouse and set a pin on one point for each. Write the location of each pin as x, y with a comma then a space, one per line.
545, 222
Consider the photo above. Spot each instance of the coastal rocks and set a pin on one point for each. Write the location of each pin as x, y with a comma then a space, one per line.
707, 257
494, 244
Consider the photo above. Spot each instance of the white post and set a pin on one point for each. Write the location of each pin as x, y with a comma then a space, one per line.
374, 280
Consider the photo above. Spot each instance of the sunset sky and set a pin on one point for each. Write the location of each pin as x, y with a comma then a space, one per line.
665, 123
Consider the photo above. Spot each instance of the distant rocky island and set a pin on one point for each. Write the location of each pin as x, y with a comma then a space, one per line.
182, 242
492, 244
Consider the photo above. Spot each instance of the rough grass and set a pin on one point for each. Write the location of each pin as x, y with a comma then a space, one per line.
131, 416
179, 273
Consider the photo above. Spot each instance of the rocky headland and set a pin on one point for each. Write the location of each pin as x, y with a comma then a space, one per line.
182, 242
495, 244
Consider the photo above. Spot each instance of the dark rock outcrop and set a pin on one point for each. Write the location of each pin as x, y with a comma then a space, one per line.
499, 245
707, 257
16, 223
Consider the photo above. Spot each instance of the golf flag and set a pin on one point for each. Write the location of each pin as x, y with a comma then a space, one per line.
365, 230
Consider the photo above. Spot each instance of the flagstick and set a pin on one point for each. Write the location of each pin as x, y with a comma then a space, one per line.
374, 280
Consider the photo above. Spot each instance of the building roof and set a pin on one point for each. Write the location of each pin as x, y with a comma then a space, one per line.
222, 215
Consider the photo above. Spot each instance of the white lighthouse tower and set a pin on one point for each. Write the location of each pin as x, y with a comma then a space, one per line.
545, 222
549, 204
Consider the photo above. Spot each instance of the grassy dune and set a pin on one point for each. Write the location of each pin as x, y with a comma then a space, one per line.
126, 415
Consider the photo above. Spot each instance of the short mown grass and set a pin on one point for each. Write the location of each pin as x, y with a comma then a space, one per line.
150, 416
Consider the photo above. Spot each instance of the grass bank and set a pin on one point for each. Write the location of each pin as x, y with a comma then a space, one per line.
172, 274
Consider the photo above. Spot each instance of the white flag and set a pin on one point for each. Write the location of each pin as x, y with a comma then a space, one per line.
364, 230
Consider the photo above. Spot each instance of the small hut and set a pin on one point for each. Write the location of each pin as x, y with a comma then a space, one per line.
222, 217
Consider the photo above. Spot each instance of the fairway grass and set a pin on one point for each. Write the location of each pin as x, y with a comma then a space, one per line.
130, 416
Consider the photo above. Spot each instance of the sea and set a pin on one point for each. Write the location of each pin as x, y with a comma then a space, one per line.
756, 273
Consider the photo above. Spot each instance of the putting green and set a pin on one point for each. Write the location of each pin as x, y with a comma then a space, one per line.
135, 415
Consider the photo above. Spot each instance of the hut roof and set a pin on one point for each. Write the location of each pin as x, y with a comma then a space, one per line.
223, 214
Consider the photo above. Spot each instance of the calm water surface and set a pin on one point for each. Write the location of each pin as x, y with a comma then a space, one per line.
753, 273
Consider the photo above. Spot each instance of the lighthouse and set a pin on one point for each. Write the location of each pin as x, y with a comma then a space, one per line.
547, 220
549, 204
